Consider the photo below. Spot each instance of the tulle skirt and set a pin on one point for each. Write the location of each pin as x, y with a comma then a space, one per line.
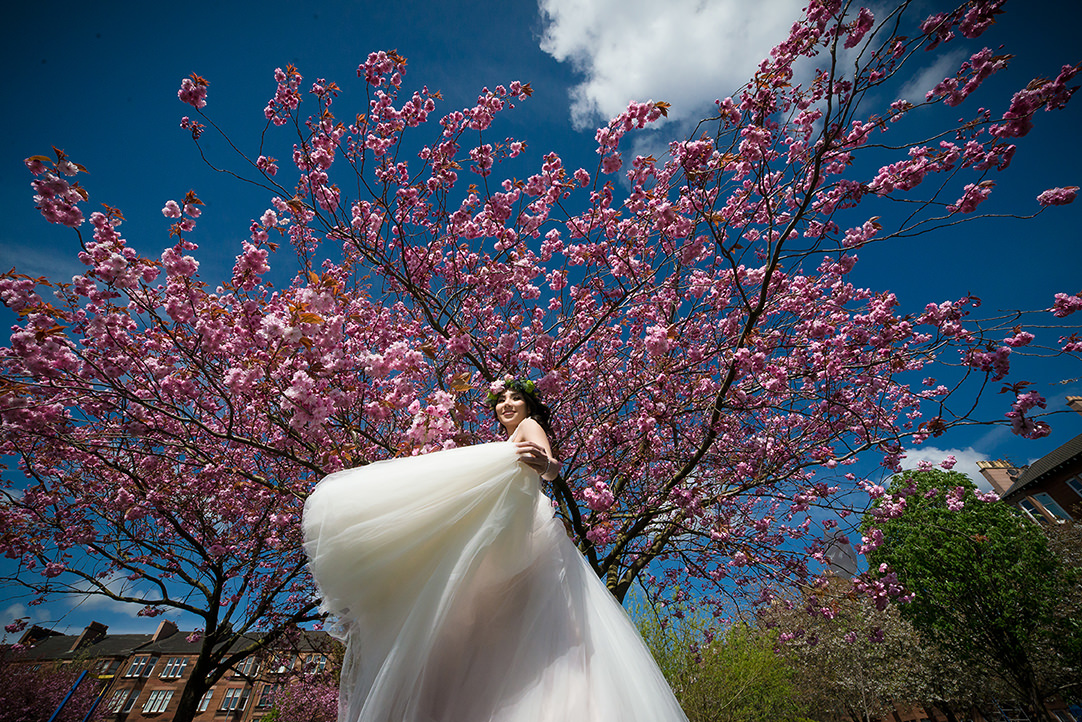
461, 599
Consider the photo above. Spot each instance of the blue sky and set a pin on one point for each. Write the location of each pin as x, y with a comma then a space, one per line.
99, 80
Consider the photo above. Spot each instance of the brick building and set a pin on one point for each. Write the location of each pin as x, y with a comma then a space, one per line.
1049, 489
144, 674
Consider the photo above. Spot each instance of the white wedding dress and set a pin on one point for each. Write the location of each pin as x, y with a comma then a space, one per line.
462, 599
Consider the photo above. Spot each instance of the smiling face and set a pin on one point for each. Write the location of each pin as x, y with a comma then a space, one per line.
510, 409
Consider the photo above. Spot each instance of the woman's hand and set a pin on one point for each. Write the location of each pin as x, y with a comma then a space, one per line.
535, 457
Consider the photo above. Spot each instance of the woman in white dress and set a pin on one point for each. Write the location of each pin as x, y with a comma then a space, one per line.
460, 597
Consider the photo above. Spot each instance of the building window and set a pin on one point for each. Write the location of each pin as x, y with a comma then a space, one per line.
157, 701
174, 667
108, 667
130, 704
234, 700
1076, 485
141, 666
266, 696
247, 667
282, 663
1032, 511
316, 663
204, 701
1050, 504
117, 701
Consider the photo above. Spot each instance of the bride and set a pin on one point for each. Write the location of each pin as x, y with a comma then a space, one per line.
460, 597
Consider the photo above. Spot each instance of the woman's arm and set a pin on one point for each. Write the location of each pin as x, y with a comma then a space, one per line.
535, 451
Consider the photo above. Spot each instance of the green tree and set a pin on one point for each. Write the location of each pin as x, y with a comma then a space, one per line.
1065, 541
734, 677
983, 584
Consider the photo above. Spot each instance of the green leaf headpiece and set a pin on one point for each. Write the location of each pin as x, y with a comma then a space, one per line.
523, 386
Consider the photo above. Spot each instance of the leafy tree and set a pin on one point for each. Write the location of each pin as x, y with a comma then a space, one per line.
981, 582
853, 660
697, 333
1065, 542
732, 677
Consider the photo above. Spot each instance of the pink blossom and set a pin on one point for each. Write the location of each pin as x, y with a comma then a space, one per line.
997, 362
657, 340
190, 125
459, 344
870, 541
1024, 425
1066, 304
598, 497
177, 264
1058, 196
267, 165
611, 163
1070, 344
193, 90
17, 626
863, 23
1022, 338
171, 209
972, 196
599, 534
949, 462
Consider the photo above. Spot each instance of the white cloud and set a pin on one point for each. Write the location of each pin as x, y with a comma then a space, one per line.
967, 461
685, 52
34, 615
19, 610
945, 65
39, 261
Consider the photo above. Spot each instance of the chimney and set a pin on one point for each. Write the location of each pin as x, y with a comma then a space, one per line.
1001, 474
165, 629
1075, 403
93, 633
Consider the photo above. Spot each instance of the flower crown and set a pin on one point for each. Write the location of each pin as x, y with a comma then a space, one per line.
523, 386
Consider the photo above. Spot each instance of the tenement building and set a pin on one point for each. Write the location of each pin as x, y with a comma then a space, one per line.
142, 675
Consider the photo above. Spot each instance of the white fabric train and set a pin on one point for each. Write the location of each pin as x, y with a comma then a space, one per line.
462, 599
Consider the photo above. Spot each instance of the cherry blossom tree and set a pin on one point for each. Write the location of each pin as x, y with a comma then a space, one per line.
33, 690
689, 319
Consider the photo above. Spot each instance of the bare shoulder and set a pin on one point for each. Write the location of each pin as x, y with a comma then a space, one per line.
530, 430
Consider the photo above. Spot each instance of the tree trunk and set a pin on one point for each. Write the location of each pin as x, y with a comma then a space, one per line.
947, 710
1037, 708
189, 699
197, 684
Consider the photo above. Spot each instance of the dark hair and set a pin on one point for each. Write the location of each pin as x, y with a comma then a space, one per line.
535, 409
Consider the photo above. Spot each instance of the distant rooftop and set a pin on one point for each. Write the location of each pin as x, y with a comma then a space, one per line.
1047, 464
